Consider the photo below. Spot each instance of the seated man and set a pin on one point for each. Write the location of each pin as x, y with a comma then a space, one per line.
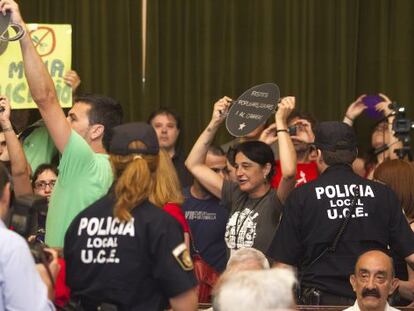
246, 259
373, 281
256, 290
242, 260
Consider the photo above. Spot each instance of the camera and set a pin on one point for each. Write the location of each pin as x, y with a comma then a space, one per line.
27, 217
27, 214
402, 126
292, 130
37, 248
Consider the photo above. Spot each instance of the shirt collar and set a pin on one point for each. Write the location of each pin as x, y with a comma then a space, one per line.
338, 167
356, 307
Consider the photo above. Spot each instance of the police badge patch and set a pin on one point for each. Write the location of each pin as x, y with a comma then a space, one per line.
182, 255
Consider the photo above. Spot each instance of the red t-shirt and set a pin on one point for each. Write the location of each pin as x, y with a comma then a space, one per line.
62, 292
305, 172
175, 211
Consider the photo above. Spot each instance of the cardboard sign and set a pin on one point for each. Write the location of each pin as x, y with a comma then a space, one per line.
54, 45
4, 23
252, 109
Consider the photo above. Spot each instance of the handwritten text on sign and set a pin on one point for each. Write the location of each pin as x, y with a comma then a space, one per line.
54, 45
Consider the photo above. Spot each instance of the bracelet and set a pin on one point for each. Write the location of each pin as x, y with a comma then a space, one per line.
352, 120
8, 129
282, 130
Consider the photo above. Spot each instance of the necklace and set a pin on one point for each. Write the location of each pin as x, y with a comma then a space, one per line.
237, 227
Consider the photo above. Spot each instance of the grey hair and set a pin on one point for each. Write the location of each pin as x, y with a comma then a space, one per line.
241, 256
262, 290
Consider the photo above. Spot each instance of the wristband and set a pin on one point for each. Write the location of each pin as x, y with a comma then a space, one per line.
352, 120
7, 129
282, 130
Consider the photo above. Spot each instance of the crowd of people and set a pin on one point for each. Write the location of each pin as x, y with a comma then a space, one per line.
132, 223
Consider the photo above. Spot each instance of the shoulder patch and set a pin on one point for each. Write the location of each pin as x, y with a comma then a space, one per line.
182, 255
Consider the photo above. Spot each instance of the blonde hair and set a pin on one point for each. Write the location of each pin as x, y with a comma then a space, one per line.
167, 186
134, 179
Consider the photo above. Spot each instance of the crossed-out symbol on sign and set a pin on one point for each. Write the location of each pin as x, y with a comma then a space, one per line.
44, 40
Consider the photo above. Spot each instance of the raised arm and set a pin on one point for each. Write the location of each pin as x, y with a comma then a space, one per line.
19, 167
40, 83
287, 153
195, 161
354, 110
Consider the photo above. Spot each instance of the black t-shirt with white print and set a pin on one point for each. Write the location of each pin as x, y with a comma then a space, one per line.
252, 221
136, 265
314, 213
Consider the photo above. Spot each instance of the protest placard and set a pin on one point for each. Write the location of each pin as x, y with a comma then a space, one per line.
54, 45
252, 109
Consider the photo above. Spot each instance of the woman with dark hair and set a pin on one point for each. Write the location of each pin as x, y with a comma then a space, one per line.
123, 252
399, 176
255, 207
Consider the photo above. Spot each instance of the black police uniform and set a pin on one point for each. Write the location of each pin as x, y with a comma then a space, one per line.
136, 265
313, 215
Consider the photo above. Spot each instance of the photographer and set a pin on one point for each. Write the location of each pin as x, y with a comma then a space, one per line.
21, 285
383, 141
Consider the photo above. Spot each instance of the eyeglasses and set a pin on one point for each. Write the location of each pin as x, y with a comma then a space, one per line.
42, 184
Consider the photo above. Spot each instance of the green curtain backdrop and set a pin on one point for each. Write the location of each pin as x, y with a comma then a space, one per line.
325, 52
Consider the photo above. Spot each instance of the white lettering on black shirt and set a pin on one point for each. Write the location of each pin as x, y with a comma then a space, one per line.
102, 241
340, 199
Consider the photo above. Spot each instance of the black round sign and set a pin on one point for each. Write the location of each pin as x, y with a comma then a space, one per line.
252, 109
4, 23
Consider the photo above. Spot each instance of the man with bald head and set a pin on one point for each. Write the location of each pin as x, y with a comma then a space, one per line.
373, 281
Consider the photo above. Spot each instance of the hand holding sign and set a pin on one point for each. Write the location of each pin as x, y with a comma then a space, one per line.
252, 109
285, 107
220, 110
10, 16
268, 136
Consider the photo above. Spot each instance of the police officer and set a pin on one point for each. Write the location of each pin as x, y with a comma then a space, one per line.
123, 251
315, 212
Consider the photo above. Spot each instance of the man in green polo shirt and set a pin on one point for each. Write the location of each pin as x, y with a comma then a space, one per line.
84, 172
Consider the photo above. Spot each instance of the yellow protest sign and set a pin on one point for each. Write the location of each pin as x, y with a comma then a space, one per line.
54, 45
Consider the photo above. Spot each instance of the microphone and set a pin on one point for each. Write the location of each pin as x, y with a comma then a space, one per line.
381, 149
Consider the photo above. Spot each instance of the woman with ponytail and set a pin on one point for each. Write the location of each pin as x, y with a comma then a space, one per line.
124, 250
167, 192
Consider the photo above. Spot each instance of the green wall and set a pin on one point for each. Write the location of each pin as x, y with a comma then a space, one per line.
325, 52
